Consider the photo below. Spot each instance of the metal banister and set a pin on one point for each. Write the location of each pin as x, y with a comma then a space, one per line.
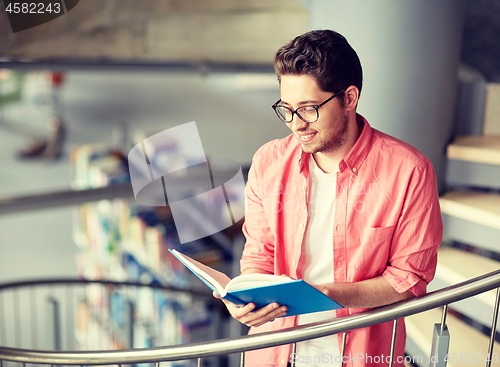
56, 281
397, 310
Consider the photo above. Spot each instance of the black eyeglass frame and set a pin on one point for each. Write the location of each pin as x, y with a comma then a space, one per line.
316, 107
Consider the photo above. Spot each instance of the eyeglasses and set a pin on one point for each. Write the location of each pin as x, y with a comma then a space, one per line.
307, 114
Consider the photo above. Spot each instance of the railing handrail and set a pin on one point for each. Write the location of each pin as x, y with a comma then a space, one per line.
375, 316
65, 281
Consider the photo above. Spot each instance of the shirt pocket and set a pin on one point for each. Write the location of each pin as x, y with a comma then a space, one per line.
375, 248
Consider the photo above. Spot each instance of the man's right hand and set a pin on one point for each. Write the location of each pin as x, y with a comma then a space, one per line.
247, 316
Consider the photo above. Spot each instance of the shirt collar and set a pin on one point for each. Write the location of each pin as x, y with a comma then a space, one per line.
356, 156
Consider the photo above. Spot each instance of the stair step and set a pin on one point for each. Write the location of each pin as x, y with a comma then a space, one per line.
455, 266
480, 149
471, 233
472, 174
478, 207
464, 339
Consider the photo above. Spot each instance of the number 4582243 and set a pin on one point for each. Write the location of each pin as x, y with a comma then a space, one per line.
33, 8
471, 358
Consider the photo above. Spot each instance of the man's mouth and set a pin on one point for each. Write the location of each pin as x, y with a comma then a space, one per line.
306, 137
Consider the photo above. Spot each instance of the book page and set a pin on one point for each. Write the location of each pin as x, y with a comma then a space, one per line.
213, 278
247, 281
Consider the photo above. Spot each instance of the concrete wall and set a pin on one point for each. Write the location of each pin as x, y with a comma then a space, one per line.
410, 52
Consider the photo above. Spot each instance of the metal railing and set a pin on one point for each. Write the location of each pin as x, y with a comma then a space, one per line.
293, 335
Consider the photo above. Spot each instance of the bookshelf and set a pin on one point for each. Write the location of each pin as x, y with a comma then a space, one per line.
117, 239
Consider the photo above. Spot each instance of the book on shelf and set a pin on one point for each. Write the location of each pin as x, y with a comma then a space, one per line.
261, 289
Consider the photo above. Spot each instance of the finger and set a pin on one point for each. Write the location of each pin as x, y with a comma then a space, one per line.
239, 312
270, 317
264, 315
266, 310
226, 302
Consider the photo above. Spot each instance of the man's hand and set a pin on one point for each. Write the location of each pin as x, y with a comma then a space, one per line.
247, 316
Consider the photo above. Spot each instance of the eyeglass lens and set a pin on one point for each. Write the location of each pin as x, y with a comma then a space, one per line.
306, 113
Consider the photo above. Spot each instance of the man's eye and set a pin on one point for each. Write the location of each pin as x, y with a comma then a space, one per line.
308, 109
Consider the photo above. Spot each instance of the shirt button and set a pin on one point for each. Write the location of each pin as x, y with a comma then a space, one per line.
338, 228
294, 262
301, 226
283, 361
355, 169
339, 263
303, 187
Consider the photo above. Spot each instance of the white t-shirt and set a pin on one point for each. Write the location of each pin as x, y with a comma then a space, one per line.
317, 265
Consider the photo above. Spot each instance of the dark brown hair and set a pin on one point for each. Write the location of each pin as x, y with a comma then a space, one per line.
323, 54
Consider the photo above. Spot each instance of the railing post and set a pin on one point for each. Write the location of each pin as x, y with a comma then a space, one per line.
242, 359
294, 351
17, 317
440, 342
130, 332
493, 329
33, 318
342, 351
393, 342
57, 323
69, 320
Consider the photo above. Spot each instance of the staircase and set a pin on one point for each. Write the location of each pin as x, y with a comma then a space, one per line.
470, 208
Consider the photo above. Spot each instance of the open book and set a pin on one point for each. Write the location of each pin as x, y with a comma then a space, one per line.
261, 289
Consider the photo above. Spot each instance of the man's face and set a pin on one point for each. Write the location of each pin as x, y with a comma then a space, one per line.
329, 132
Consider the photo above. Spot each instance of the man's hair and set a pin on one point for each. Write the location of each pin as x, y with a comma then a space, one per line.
323, 54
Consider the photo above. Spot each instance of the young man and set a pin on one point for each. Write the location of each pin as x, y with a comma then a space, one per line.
350, 210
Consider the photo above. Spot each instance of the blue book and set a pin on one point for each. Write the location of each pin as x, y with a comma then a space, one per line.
261, 289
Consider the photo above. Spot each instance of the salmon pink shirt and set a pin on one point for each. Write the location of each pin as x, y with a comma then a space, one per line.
386, 222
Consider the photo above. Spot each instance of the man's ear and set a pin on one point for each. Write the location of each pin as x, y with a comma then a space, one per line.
351, 96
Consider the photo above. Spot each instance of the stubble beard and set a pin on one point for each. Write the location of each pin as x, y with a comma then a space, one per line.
333, 141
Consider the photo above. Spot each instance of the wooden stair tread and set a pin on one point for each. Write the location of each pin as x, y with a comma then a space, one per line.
463, 338
480, 149
478, 207
455, 266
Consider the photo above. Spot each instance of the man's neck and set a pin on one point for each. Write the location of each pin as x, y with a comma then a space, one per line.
329, 162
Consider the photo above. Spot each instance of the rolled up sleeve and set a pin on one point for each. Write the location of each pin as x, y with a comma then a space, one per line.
413, 253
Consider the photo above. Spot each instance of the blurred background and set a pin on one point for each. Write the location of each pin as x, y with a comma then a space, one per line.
78, 92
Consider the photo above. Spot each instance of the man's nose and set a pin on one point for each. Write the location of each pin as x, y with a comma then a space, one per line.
297, 124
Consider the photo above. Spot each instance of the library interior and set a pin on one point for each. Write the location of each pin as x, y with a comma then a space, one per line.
85, 262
